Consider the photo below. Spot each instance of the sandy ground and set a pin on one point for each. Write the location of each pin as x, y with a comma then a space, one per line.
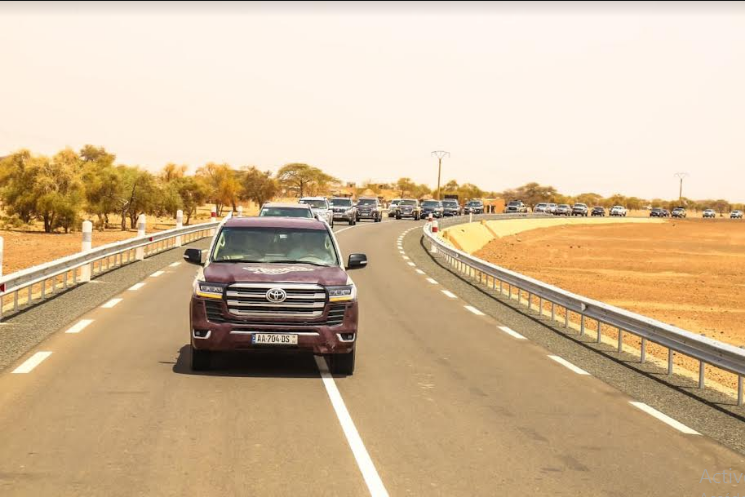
689, 273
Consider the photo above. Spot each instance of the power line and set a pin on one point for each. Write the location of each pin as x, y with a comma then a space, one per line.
439, 154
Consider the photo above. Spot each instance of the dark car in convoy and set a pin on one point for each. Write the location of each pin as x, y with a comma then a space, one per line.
450, 207
597, 211
433, 207
408, 207
658, 212
562, 210
274, 283
474, 207
344, 209
516, 206
679, 212
369, 208
580, 209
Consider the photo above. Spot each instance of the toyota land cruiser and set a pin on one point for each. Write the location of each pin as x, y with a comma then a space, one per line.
274, 282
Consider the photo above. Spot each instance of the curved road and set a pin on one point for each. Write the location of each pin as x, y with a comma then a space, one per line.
443, 401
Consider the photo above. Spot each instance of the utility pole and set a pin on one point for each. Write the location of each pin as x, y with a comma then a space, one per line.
439, 154
681, 176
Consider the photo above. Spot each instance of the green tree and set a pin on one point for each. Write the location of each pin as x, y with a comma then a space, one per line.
102, 183
405, 186
258, 186
721, 206
172, 172
18, 177
533, 193
59, 191
302, 179
223, 184
193, 193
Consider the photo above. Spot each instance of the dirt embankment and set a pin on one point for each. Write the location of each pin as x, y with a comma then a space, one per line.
690, 273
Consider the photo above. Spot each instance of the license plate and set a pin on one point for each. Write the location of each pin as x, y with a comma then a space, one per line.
273, 339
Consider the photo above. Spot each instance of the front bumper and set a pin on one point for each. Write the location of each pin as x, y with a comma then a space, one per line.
343, 215
236, 333
368, 214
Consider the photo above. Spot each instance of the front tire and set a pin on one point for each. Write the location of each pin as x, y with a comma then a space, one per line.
342, 364
201, 360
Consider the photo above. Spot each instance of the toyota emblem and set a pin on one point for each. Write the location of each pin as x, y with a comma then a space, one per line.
276, 295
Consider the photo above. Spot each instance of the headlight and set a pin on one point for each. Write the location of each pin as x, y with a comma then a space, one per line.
209, 290
342, 293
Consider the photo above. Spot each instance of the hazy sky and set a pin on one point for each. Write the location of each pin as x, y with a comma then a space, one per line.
604, 98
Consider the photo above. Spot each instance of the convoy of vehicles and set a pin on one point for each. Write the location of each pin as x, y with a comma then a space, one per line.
344, 210
618, 210
409, 207
516, 206
597, 211
433, 207
320, 207
658, 212
369, 208
579, 209
274, 282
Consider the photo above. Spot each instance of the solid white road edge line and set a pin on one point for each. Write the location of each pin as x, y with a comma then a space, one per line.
136, 287
432, 281
568, 365
449, 294
512, 332
31, 363
474, 310
156, 274
664, 418
79, 326
369, 473
111, 303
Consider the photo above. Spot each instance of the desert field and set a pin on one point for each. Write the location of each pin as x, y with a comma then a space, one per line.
689, 273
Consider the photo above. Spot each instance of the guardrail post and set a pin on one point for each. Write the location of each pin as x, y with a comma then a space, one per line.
582, 325
566, 317
240, 211
739, 390
701, 373
87, 245
598, 339
670, 353
553, 312
179, 224
141, 223
643, 357
620, 340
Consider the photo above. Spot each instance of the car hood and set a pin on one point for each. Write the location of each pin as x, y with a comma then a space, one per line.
222, 272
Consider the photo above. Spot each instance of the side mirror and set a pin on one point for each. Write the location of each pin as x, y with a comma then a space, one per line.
193, 256
356, 261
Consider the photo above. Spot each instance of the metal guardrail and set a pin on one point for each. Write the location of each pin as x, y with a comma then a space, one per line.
60, 274
531, 291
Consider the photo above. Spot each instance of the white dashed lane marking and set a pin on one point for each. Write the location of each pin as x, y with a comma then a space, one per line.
449, 294
31, 363
111, 303
419, 271
474, 310
79, 326
156, 274
411, 264
432, 281
512, 332
664, 418
174, 264
136, 287
568, 365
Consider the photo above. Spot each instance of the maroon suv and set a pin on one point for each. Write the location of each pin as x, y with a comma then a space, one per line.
273, 282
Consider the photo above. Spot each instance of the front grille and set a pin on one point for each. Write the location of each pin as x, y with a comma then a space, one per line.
304, 301
336, 314
214, 311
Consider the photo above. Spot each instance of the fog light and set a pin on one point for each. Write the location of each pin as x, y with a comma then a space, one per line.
201, 333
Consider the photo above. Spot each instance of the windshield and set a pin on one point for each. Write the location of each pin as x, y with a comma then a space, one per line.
473, 202
408, 202
341, 202
514, 202
316, 204
275, 245
450, 203
430, 203
286, 212
366, 201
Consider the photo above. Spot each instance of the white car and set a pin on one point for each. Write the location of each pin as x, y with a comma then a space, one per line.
321, 208
542, 207
618, 210
710, 213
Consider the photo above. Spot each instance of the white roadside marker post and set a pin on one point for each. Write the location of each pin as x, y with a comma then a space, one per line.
140, 251
213, 217
179, 224
240, 211
87, 245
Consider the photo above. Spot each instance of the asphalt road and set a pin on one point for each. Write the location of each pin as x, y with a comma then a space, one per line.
443, 402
